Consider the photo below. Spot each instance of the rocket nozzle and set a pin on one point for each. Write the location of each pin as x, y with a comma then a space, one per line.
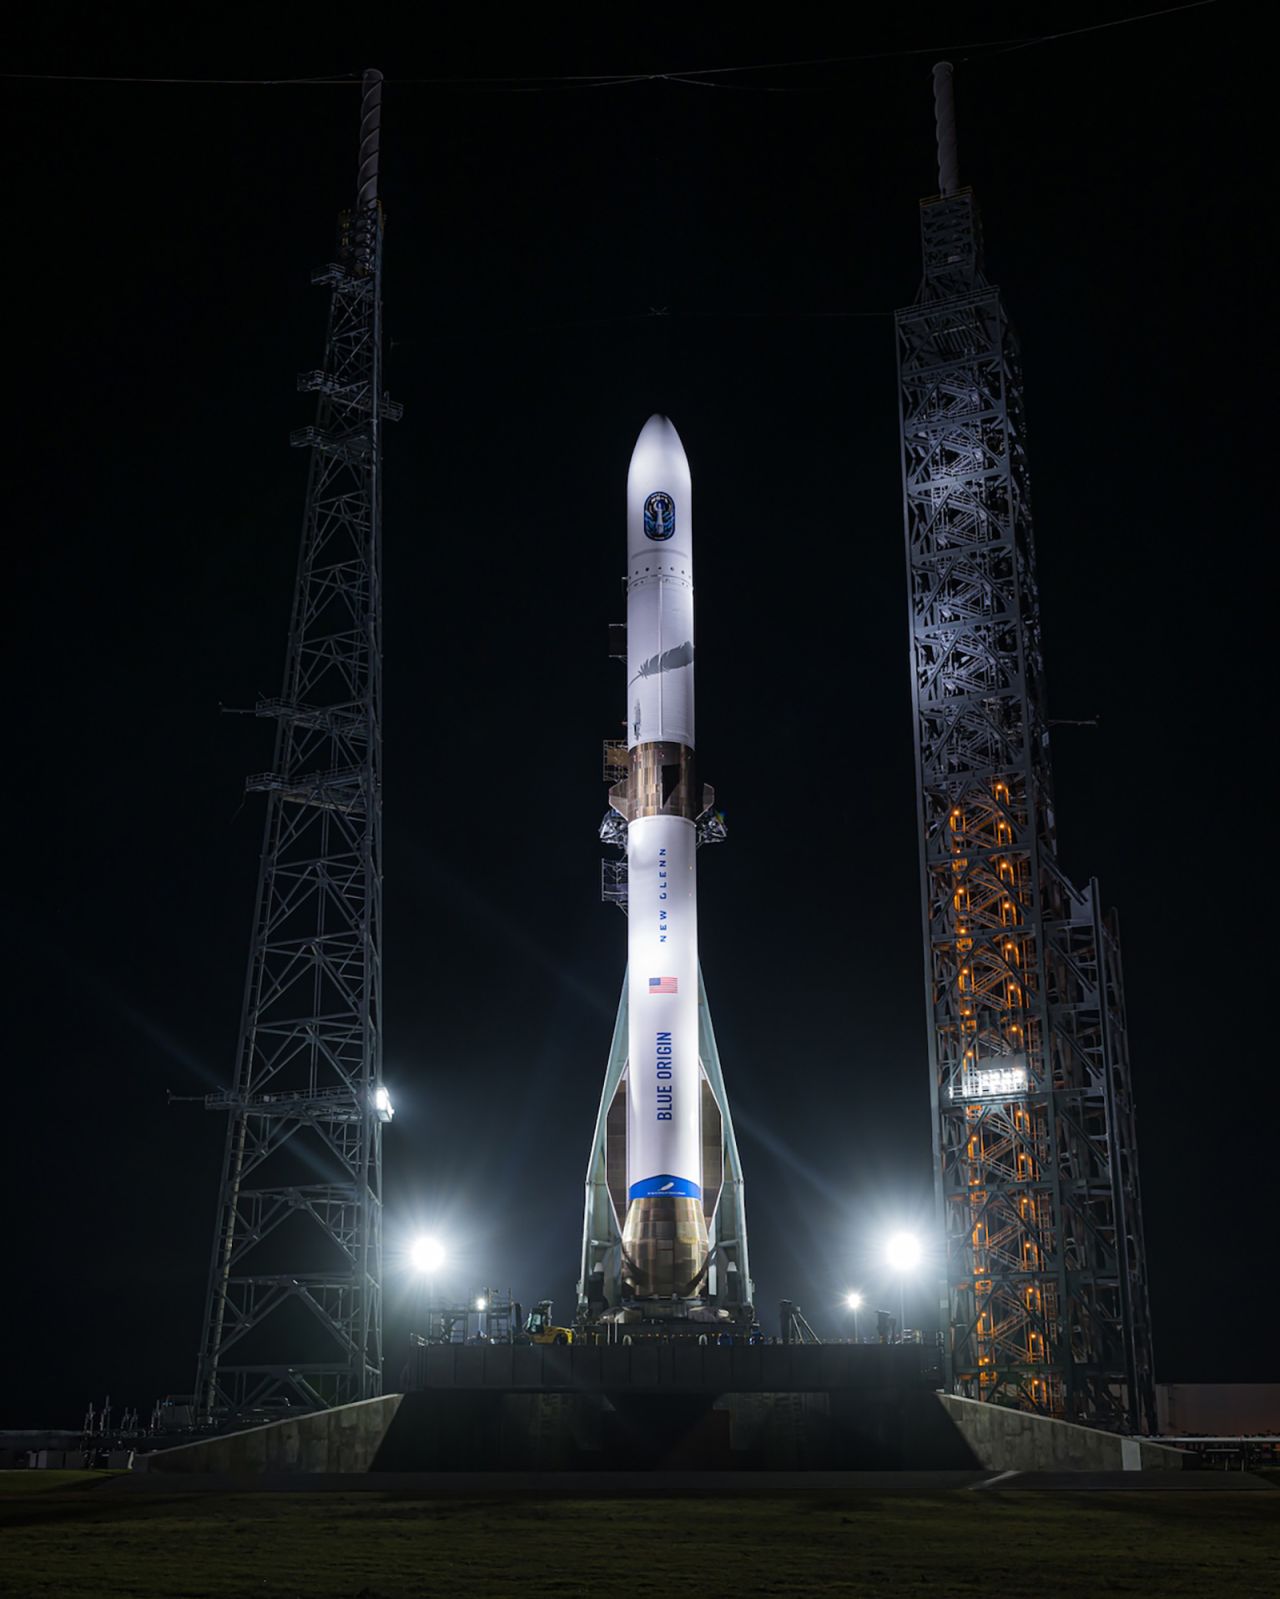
664, 1247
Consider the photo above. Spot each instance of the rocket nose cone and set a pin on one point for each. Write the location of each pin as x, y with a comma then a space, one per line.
658, 439
658, 495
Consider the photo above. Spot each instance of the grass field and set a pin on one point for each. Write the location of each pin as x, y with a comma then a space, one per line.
79, 1537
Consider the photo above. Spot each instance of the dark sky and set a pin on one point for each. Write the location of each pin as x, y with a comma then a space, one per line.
163, 238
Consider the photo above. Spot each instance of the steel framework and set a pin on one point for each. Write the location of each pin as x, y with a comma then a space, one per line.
1044, 1280
294, 1308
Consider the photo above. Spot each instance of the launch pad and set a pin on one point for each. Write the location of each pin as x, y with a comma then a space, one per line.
672, 1366
1032, 1141
669, 1404
667, 1407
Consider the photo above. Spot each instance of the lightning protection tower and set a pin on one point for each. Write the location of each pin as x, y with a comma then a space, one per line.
294, 1308
1044, 1297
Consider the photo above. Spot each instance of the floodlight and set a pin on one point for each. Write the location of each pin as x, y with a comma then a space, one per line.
426, 1255
902, 1251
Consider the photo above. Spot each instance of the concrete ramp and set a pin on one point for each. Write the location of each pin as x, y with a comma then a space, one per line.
1016, 1440
344, 1439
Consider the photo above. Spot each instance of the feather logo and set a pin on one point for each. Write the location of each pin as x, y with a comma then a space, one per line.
669, 661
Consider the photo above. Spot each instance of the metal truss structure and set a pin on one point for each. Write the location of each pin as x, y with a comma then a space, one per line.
1044, 1294
294, 1308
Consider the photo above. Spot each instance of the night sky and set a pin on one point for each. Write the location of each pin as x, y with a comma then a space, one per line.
163, 237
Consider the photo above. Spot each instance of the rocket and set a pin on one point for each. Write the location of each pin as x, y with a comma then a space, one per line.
664, 1235
664, 1231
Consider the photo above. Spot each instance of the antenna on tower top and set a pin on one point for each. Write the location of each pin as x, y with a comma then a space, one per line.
944, 112
370, 128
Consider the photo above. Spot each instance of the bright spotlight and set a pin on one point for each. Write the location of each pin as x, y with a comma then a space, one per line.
426, 1255
482, 1303
853, 1300
382, 1106
902, 1251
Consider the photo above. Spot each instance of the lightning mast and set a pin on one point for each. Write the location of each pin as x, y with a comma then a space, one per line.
294, 1308
1044, 1296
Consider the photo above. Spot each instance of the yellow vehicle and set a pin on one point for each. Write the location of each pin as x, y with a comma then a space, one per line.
539, 1327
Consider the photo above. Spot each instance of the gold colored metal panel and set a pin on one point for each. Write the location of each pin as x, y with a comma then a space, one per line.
660, 783
664, 1247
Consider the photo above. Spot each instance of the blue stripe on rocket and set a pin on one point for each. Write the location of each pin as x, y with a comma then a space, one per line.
664, 1184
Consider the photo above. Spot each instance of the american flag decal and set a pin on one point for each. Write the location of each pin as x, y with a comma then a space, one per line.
663, 985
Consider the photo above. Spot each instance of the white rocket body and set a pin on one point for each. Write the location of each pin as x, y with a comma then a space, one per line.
659, 589
664, 1139
664, 1231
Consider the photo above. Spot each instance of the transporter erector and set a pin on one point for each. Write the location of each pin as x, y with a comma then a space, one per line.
664, 1236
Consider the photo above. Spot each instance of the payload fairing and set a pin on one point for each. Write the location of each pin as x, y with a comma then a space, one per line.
665, 1221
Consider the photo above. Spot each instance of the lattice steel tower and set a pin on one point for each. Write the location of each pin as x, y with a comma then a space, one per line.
294, 1309
1044, 1296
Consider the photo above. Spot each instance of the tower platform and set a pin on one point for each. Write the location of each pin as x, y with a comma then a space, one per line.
672, 1367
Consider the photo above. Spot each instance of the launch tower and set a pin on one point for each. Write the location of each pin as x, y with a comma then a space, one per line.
294, 1308
1044, 1294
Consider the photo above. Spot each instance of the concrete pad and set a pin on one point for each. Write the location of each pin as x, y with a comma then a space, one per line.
564, 1484
1196, 1482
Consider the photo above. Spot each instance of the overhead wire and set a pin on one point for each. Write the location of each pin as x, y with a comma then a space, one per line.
993, 46
695, 77
336, 79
